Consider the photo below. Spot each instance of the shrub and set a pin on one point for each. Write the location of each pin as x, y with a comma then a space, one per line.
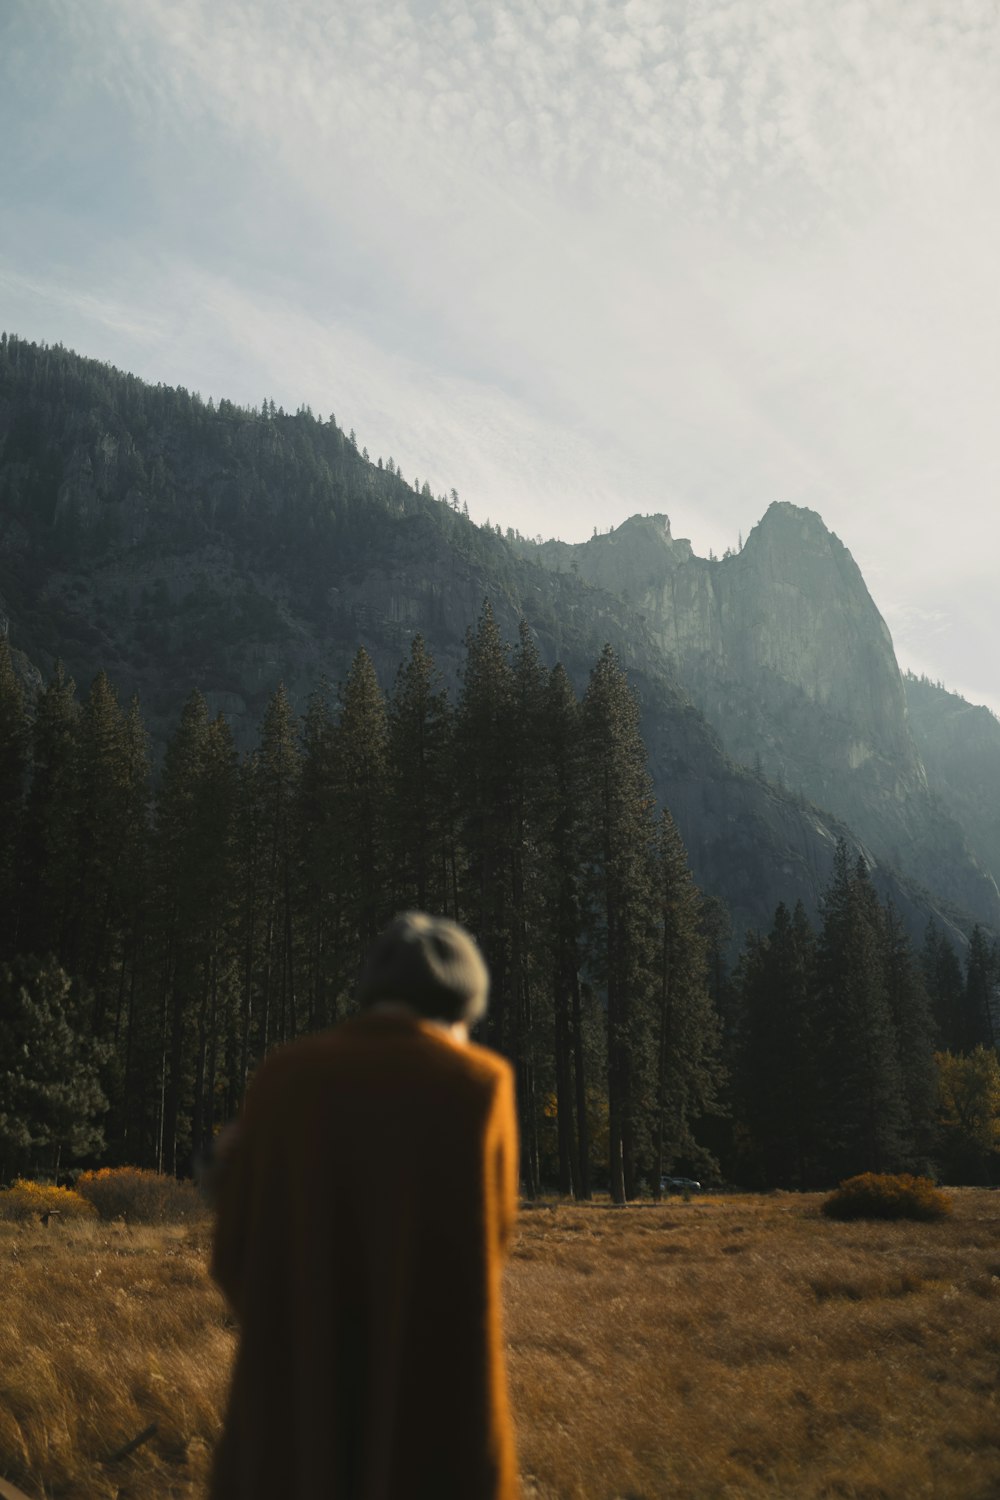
875, 1195
25, 1200
140, 1197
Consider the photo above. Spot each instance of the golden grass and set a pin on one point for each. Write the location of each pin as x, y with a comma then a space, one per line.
748, 1347
729, 1347
104, 1330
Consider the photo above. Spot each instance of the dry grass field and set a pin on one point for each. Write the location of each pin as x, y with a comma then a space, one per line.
726, 1347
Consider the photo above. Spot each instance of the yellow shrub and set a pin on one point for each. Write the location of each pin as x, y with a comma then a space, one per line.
874, 1195
25, 1200
140, 1197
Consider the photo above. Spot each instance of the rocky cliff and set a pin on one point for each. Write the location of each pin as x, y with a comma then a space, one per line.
782, 648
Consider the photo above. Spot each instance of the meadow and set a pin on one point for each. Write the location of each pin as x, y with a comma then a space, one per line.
726, 1347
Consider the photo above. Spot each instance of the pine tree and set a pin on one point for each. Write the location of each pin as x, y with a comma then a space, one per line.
177, 855
528, 807
193, 936
421, 812
910, 1008
688, 1075
48, 835
862, 1087
135, 981
250, 862
560, 753
215, 810
982, 982
945, 984
778, 1051
273, 786
105, 804
618, 802
14, 739
317, 862
361, 748
484, 777
717, 930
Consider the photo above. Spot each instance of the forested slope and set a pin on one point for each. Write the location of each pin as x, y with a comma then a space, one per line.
176, 544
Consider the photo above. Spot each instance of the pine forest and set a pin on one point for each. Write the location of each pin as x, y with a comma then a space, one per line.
160, 934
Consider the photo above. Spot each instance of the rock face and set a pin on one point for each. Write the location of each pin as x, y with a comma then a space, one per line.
960, 746
178, 545
785, 628
783, 650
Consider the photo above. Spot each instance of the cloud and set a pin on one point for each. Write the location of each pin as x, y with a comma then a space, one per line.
46, 298
577, 257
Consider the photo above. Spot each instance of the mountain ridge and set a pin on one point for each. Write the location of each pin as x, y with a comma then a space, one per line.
177, 543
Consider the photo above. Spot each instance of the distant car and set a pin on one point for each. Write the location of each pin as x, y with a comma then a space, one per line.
679, 1185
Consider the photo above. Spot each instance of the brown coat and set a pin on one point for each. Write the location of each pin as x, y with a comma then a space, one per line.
363, 1224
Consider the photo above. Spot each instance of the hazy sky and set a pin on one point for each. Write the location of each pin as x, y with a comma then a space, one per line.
575, 258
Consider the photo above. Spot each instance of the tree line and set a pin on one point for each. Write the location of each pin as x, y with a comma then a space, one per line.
850, 1050
157, 941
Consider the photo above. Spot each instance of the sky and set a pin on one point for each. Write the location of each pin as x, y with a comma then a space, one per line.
576, 259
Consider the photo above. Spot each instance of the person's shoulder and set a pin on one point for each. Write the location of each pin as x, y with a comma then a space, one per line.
325, 1053
291, 1060
487, 1064
467, 1076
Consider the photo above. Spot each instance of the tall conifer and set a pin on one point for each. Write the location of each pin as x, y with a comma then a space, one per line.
178, 852
104, 804
14, 739
48, 835
980, 999
134, 876
484, 776
778, 1052
945, 984
273, 787
528, 808
361, 752
910, 1008
317, 861
618, 802
865, 1108
688, 1073
216, 1048
421, 812
560, 753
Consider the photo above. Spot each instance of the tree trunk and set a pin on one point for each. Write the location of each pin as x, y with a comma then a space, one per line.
661, 1081
564, 1100
583, 1189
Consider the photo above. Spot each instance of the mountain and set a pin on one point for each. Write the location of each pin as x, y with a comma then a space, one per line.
784, 651
177, 543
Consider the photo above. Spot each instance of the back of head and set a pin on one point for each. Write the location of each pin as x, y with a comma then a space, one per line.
431, 964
